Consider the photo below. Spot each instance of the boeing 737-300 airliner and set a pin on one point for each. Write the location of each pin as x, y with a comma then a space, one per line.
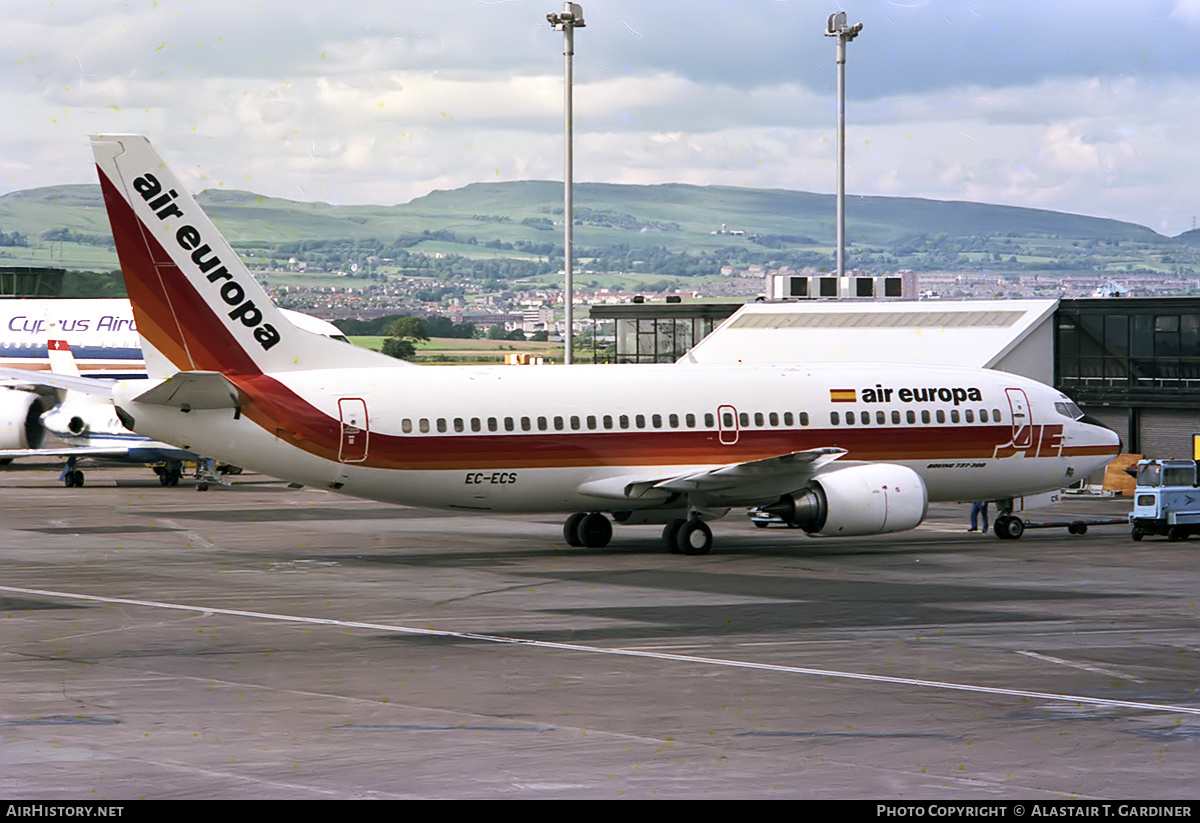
835, 450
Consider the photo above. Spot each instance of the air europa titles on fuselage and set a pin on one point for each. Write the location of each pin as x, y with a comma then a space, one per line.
189, 239
937, 394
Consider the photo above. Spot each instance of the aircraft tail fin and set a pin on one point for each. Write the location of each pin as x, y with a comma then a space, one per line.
196, 305
62, 360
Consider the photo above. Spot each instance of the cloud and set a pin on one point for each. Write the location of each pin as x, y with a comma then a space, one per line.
1071, 105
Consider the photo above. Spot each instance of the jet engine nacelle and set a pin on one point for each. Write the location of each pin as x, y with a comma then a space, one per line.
21, 419
857, 500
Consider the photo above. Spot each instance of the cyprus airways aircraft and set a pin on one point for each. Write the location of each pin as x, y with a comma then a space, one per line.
83, 417
835, 450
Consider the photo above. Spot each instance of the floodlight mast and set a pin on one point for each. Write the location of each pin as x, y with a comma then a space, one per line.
570, 19
836, 27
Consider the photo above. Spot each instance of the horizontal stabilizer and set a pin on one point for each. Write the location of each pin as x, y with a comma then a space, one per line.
193, 390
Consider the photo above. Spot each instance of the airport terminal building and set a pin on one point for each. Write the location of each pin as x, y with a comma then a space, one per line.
1132, 363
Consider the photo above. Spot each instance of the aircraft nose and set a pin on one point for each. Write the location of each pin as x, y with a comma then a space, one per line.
1113, 439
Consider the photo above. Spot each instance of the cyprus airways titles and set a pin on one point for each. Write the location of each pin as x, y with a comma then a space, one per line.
674, 445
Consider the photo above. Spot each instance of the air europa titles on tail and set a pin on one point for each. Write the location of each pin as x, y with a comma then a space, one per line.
189, 239
672, 445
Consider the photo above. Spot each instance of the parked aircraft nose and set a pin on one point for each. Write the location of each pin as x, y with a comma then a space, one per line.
1112, 439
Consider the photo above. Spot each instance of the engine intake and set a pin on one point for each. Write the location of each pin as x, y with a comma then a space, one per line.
21, 424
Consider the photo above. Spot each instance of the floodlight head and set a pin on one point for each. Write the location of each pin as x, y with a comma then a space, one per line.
836, 27
571, 17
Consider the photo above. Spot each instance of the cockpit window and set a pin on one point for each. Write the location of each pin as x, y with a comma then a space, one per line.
1068, 409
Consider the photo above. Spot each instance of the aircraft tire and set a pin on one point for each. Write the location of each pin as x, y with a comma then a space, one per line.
670, 535
571, 529
1014, 527
594, 531
694, 537
1008, 527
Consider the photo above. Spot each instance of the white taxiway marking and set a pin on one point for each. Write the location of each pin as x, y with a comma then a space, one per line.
572, 647
1083, 666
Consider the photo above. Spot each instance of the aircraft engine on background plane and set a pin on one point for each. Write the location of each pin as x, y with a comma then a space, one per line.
858, 500
21, 425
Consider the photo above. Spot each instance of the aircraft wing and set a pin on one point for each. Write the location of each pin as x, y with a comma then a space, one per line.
18, 378
68, 451
766, 477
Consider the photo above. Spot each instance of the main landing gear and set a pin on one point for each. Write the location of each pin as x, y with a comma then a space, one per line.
594, 530
692, 536
71, 477
591, 530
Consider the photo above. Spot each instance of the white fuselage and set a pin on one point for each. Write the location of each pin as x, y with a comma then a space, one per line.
548, 439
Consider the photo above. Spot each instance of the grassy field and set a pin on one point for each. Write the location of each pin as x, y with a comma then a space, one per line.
456, 351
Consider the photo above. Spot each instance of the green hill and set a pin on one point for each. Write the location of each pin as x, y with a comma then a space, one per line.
672, 229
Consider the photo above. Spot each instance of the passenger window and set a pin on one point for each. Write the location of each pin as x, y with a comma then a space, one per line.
476, 425
526, 424
834, 418
773, 418
709, 420
866, 417
895, 417
924, 415
849, 418
492, 425
441, 424
744, 419
758, 418
727, 417
424, 424
656, 421
639, 420
673, 421
983, 416
591, 421
509, 424
910, 416
458, 424
954, 415
624, 421
574, 422
542, 424
608, 421
803, 418
690, 420
969, 415
558, 424
880, 418
787, 418
406, 426
996, 415
941, 416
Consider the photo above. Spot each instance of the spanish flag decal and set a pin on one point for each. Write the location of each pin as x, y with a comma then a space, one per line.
843, 396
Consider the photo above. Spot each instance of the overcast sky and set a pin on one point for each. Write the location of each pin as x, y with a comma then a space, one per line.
1086, 106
